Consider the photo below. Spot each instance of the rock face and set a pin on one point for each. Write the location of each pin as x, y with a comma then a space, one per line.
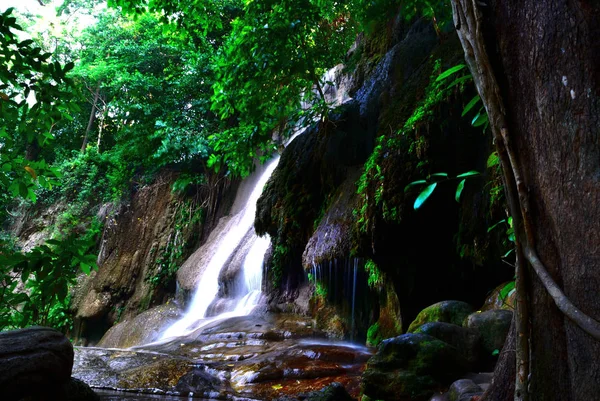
154, 232
453, 312
34, 361
330, 200
411, 367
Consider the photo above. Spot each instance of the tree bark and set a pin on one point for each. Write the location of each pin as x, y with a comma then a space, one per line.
546, 58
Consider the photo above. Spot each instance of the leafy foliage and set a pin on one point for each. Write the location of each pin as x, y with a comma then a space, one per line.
34, 97
44, 274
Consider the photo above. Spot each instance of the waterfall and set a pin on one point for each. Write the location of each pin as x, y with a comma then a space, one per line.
241, 223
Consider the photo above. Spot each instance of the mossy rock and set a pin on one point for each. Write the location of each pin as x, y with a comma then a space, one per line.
493, 326
466, 341
453, 312
411, 367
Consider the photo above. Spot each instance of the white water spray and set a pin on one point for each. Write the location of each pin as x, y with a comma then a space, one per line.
208, 286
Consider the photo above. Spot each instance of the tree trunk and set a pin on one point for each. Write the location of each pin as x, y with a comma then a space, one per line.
546, 58
91, 120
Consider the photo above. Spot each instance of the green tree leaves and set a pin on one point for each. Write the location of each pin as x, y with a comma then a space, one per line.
432, 182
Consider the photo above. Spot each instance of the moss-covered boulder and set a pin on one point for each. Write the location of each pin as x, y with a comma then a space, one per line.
493, 326
466, 341
453, 312
411, 367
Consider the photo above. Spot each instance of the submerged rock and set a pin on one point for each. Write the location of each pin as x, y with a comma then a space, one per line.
33, 362
453, 312
411, 367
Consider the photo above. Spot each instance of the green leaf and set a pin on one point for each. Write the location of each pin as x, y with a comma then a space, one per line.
493, 160
450, 71
85, 268
459, 189
441, 175
505, 291
470, 105
480, 119
496, 352
496, 225
468, 174
412, 184
424, 195
460, 80
23, 191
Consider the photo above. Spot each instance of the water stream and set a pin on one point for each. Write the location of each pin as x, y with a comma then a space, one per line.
240, 224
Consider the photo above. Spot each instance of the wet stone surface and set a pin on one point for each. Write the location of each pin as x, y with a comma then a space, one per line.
252, 357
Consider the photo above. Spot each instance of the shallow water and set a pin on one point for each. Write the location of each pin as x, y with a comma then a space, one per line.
109, 395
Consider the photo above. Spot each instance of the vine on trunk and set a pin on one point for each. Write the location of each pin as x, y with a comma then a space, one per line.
468, 23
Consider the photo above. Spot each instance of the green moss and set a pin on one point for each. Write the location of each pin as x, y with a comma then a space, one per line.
374, 336
453, 312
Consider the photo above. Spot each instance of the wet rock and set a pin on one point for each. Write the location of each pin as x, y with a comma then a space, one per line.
36, 360
389, 323
493, 327
463, 390
333, 237
142, 329
333, 392
453, 312
466, 341
77, 390
250, 357
411, 367
198, 382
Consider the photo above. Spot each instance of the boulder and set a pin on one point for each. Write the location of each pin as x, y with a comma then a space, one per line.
493, 326
453, 312
199, 382
466, 341
142, 329
463, 390
34, 361
77, 390
334, 392
412, 367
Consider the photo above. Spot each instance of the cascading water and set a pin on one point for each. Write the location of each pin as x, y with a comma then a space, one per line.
208, 286
252, 269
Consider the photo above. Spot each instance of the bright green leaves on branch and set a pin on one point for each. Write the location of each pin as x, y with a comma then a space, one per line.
432, 182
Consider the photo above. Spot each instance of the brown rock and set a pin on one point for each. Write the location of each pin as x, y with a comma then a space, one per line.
33, 361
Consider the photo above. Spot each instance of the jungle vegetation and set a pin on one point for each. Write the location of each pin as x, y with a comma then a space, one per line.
87, 116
